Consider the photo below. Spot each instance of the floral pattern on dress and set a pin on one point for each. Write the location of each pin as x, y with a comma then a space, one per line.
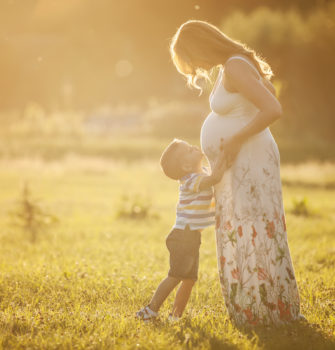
255, 267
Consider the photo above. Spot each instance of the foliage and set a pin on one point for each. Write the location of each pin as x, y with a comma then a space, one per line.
300, 47
30, 216
296, 37
176, 119
300, 207
59, 135
136, 207
36, 122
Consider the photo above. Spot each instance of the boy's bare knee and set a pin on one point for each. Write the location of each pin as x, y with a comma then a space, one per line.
174, 279
189, 283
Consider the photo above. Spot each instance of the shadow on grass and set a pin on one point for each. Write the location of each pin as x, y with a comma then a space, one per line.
191, 336
299, 335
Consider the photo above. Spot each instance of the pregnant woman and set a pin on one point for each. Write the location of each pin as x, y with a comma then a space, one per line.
255, 267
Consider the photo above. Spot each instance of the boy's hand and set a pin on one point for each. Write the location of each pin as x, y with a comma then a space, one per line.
217, 172
230, 147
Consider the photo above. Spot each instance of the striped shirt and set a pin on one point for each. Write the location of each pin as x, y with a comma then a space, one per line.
195, 207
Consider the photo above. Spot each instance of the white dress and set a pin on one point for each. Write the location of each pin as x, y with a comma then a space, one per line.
255, 267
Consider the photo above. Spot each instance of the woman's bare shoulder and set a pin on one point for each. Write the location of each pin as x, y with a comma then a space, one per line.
241, 67
238, 66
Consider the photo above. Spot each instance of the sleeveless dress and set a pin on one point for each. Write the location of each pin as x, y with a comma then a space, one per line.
255, 267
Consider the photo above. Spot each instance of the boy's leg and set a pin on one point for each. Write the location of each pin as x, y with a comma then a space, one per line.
162, 292
182, 296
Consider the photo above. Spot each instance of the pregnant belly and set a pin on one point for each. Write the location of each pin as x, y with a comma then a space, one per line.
217, 127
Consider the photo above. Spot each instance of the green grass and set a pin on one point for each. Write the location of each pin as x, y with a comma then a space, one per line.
79, 286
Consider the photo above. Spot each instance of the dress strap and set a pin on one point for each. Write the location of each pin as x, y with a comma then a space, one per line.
245, 60
218, 81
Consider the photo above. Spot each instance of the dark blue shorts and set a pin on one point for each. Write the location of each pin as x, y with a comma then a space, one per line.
184, 246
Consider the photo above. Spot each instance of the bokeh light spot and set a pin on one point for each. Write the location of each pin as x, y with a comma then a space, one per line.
123, 68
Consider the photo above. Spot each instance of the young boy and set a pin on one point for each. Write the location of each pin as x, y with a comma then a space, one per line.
183, 162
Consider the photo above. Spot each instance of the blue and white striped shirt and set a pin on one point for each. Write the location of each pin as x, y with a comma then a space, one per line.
195, 207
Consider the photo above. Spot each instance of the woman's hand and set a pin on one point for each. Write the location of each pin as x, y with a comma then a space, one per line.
230, 148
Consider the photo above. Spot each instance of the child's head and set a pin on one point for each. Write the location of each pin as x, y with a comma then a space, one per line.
180, 158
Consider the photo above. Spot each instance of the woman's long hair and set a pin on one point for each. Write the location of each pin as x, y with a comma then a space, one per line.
198, 46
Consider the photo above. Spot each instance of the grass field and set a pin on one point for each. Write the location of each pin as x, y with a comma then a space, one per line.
80, 284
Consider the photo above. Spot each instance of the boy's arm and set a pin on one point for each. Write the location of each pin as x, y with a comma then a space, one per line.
216, 176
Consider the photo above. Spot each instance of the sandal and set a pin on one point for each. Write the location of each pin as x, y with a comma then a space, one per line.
146, 314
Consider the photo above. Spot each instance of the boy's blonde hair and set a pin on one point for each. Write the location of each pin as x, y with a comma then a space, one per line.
171, 165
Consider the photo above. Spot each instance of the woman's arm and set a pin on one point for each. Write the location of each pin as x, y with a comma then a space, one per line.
216, 175
269, 86
241, 77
